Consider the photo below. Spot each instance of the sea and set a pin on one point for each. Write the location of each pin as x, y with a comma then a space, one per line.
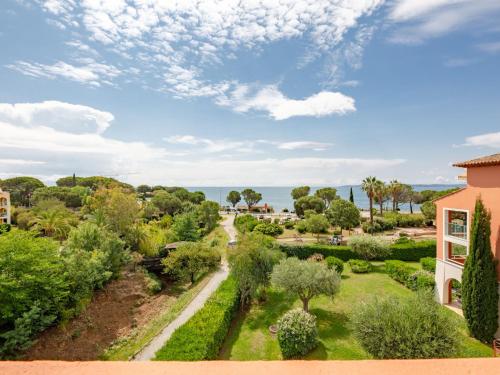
280, 197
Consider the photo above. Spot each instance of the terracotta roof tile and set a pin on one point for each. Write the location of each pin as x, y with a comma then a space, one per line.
480, 162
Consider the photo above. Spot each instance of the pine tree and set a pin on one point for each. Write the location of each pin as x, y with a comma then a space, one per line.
479, 282
351, 196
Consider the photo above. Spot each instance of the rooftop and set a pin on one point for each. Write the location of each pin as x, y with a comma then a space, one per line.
480, 162
483, 366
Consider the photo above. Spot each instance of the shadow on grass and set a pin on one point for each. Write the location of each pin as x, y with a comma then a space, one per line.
331, 324
233, 334
269, 312
318, 353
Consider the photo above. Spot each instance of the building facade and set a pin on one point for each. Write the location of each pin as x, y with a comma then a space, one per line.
453, 222
4, 207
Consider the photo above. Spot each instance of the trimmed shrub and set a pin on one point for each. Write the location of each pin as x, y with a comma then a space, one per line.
301, 226
428, 264
289, 224
269, 229
405, 220
399, 270
421, 280
297, 333
397, 328
202, 336
408, 252
335, 263
360, 266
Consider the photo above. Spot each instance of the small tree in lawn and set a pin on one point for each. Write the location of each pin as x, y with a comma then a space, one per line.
343, 214
251, 197
479, 284
306, 279
369, 247
234, 197
317, 224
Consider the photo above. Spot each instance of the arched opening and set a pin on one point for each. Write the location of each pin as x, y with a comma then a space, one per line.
454, 293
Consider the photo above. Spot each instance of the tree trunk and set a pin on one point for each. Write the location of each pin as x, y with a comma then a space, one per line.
411, 207
192, 278
371, 210
381, 207
305, 304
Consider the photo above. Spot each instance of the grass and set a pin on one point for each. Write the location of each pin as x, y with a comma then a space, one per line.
249, 338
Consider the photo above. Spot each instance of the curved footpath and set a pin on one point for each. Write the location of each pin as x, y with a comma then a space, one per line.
148, 352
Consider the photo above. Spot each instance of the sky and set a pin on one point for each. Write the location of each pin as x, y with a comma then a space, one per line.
248, 92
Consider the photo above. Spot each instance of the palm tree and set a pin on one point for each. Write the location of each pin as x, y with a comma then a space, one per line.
53, 223
381, 194
396, 189
369, 186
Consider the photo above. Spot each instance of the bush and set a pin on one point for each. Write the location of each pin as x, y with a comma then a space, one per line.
297, 333
399, 271
4, 228
405, 220
289, 224
371, 228
360, 266
301, 226
428, 264
269, 229
421, 280
409, 252
368, 247
202, 336
415, 327
335, 263
245, 223
153, 283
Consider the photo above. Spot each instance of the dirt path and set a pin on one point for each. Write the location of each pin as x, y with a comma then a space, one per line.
148, 352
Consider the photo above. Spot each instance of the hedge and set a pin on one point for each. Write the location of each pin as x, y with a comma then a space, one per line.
409, 252
409, 276
428, 264
202, 336
360, 266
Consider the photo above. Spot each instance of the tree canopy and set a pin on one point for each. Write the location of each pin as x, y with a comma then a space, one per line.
328, 195
309, 202
300, 192
21, 189
343, 214
233, 197
251, 197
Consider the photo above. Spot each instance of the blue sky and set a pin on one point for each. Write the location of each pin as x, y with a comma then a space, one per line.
210, 93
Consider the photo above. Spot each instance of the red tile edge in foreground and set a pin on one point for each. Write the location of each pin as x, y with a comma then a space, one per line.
482, 366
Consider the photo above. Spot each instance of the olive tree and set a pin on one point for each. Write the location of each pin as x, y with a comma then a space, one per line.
306, 279
369, 247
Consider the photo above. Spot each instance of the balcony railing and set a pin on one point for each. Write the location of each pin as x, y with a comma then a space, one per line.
457, 230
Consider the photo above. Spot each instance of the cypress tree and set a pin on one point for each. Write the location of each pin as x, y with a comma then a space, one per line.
73, 181
351, 196
479, 279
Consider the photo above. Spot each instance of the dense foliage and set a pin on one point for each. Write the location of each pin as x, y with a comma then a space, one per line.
328, 194
190, 260
269, 229
343, 214
317, 224
369, 247
233, 197
202, 336
479, 279
428, 264
297, 333
252, 261
21, 189
416, 327
303, 204
245, 223
305, 278
251, 198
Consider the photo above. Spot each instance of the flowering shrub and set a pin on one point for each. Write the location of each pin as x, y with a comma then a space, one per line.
297, 333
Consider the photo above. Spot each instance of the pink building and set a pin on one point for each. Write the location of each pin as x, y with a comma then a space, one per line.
454, 218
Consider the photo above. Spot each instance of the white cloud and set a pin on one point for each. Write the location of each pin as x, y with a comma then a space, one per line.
460, 62
487, 140
269, 99
304, 145
57, 115
89, 72
491, 47
423, 19
180, 40
50, 150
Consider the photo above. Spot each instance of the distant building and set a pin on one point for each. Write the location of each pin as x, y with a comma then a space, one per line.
454, 219
4, 207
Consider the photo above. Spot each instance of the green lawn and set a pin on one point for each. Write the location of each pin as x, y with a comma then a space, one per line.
250, 339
